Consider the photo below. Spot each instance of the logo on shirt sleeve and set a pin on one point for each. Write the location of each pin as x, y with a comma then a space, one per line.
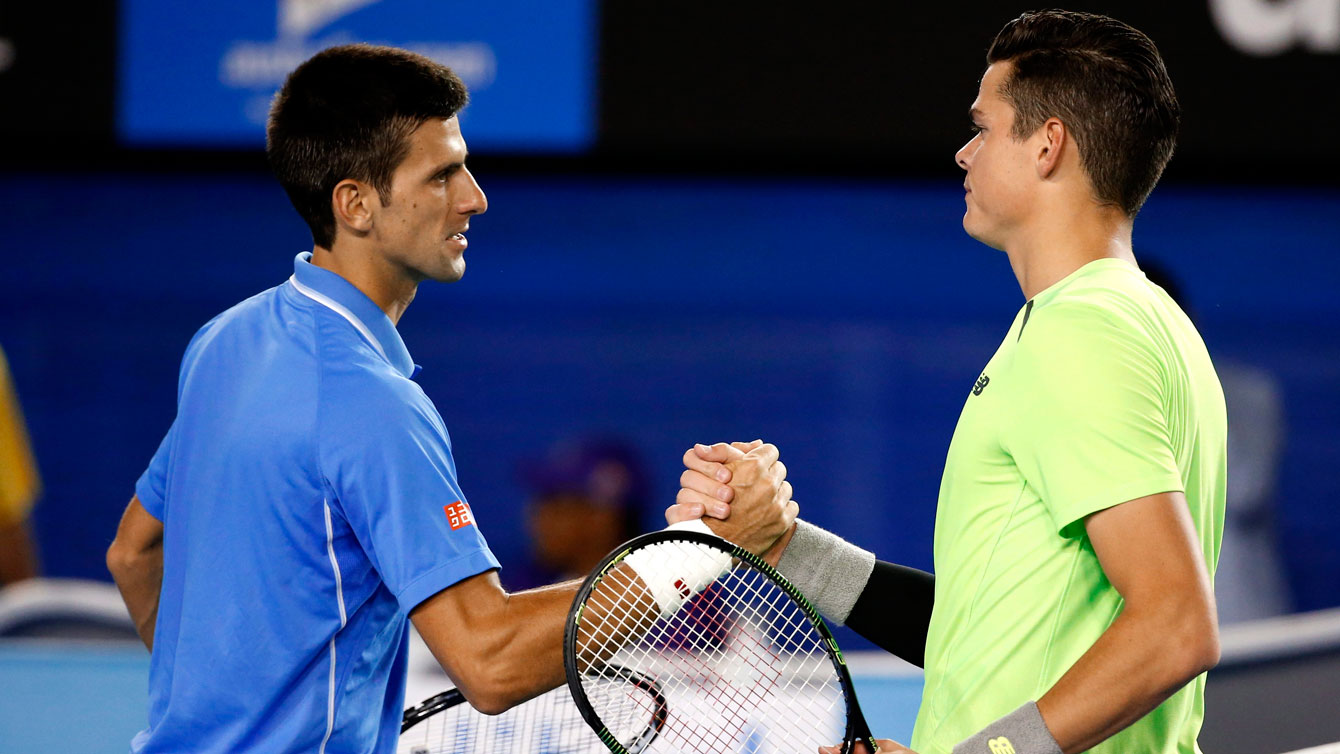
981, 384
459, 515
1000, 745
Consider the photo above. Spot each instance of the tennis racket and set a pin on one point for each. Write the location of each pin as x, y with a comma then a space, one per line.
743, 662
548, 723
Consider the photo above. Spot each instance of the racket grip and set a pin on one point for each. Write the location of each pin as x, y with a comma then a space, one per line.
676, 571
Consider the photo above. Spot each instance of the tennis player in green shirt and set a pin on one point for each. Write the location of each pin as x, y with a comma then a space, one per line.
1082, 502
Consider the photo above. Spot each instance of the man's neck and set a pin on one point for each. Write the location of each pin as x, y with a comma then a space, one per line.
1063, 242
370, 273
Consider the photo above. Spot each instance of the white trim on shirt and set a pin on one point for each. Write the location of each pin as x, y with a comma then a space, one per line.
339, 309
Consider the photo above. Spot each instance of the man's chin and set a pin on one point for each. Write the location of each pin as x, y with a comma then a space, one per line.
450, 273
979, 234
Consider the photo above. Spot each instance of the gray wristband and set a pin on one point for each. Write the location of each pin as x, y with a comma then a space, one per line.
1021, 732
827, 569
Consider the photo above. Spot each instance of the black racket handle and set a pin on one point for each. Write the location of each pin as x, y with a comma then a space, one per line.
860, 730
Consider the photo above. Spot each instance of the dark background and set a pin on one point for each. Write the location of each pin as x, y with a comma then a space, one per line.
764, 241
788, 88
856, 86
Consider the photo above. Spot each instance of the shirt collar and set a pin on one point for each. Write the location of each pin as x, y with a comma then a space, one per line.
340, 296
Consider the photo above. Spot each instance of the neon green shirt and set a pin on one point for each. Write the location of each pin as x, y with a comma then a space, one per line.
1102, 392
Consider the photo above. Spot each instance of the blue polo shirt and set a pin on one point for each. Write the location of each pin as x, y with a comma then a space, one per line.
309, 501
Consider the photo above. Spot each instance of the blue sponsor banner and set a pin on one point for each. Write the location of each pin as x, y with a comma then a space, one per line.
203, 74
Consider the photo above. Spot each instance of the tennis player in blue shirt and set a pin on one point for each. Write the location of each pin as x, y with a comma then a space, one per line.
304, 502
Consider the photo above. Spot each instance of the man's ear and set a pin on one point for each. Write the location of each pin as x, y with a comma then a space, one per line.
352, 202
1052, 139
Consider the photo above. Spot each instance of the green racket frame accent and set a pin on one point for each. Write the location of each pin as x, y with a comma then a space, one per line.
857, 728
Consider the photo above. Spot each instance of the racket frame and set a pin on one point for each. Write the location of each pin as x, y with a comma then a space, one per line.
454, 696
429, 707
857, 728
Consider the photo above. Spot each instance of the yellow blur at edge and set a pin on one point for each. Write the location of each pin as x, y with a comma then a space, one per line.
19, 482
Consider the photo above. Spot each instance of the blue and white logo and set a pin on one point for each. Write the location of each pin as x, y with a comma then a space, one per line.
203, 75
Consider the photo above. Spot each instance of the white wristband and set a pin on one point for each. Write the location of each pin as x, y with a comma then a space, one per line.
693, 524
675, 571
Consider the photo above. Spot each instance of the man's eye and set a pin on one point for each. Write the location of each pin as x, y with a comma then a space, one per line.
976, 129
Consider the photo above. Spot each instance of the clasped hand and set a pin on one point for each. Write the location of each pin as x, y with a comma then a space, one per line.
739, 490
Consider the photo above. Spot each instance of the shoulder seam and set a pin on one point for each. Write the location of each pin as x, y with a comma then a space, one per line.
1028, 311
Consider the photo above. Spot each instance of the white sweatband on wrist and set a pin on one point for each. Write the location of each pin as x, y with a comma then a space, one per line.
1023, 731
827, 569
675, 571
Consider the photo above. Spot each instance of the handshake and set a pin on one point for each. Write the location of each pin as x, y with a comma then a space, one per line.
741, 493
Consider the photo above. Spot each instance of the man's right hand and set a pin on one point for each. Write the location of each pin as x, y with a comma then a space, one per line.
743, 490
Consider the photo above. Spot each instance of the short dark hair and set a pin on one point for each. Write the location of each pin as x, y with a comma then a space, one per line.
347, 113
1107, 84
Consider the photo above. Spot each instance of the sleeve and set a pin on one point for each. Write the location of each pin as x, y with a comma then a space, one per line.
389, 463
151, 489
1090, 430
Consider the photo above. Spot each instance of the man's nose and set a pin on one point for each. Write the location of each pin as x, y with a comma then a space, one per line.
962, 156
476, 202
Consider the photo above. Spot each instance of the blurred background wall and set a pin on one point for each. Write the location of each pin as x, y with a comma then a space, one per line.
707, 221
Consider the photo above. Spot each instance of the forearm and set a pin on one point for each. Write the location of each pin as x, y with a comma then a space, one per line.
514, 649
1140, 660
140, 580
135, 560
850, 587
894, 610
1167, 632
618, 611
532, 657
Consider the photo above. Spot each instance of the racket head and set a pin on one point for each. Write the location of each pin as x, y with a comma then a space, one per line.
817, 640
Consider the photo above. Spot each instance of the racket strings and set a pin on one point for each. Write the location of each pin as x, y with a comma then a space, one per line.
790, 630
740, 664
758, 656
619, 611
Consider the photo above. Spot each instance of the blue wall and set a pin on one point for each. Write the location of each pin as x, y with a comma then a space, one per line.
845, 321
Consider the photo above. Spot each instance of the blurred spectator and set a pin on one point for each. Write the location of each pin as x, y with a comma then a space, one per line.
1250, 581
19, 486
586, 498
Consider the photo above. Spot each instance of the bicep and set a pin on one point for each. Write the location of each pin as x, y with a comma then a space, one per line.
457, 621
1149, 551
139, 531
